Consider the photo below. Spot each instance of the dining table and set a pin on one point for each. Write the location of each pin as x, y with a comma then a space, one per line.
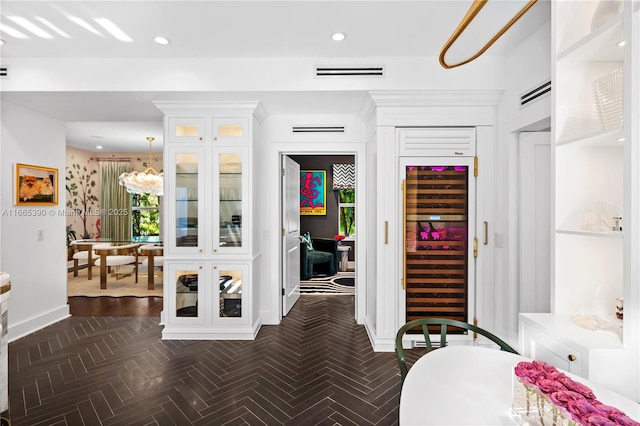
473, 385
151, 251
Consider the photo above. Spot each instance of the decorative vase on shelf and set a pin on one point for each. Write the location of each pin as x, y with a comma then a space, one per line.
605, 11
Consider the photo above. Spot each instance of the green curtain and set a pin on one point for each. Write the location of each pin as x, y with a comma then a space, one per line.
115, 202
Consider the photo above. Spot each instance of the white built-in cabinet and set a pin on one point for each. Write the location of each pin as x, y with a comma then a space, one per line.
596, 197
210, 257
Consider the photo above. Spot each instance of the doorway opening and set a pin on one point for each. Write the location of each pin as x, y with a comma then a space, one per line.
326, 200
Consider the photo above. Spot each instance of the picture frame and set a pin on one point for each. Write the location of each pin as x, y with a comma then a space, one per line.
313, 192
36, 185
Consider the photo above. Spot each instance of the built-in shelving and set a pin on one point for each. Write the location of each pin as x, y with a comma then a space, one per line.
592, 193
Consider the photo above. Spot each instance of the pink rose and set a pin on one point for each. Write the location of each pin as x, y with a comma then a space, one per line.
549, 371
623, 419
561, 398
595, 419
580, 408
550, 385
577, 387
618, 416
527, 371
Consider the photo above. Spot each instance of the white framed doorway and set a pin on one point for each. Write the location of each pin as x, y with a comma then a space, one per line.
271, 293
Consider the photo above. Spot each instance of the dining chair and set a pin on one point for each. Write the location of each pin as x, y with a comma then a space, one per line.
441, 326
83, 252
116, 256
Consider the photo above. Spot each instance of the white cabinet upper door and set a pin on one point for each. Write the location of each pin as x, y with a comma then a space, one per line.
185, 200
186, 129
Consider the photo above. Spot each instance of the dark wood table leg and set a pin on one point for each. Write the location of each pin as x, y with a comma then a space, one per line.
89, 264
150, 284
103, 271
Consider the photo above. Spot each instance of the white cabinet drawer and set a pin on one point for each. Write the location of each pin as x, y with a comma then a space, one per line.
539, 345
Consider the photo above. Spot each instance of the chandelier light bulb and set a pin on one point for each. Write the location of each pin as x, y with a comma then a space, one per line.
147, 182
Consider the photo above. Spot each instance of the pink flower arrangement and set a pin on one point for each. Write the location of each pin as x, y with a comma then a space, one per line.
570, 396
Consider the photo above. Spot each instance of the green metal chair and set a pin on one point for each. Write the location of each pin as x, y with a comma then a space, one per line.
444, 323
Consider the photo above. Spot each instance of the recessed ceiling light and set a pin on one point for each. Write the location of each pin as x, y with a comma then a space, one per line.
98, 146
621, 43
162, 40
338, 36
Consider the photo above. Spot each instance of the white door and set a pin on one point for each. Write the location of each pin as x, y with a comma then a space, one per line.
535, 221
290, 233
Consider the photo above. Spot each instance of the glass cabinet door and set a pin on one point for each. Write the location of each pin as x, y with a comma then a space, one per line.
232, 196
438, 238
232, 280
186, 282
186, 207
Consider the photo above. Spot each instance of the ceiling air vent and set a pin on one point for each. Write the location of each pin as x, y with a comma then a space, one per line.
317, 129
4, 71
350, 71
532, 95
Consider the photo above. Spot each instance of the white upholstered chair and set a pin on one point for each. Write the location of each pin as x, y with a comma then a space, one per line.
116, 256
83, 253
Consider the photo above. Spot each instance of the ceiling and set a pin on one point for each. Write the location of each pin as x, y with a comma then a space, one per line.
121, 121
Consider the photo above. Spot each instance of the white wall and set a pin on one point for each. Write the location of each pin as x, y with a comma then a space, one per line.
37, 268
236, 74
528, 65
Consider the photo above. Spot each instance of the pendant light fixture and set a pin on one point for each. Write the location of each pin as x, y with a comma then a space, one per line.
147, 182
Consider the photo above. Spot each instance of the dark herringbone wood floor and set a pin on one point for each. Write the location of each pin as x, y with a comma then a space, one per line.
316, 368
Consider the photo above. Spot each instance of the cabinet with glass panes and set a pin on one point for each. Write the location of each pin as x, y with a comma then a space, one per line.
209, 253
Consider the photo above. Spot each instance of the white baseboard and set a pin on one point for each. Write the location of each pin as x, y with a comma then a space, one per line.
31, 325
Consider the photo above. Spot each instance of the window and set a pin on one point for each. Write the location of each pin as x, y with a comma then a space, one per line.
145, 215
347, 213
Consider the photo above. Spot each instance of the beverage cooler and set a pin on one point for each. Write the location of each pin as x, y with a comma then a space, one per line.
439, 238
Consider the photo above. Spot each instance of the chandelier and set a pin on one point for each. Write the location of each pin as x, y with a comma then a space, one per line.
147, 182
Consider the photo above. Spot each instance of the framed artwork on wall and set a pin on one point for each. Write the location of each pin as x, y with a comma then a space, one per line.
36, 186
313, 194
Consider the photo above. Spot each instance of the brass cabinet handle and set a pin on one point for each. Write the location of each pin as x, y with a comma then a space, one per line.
572, 357
486, 233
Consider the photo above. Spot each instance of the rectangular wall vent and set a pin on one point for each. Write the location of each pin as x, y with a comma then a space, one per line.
532, 95
350, 71
4, 71
317, 129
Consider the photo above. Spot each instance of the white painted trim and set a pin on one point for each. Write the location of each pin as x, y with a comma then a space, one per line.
437, 98
209, 107
31, 325
379, 345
